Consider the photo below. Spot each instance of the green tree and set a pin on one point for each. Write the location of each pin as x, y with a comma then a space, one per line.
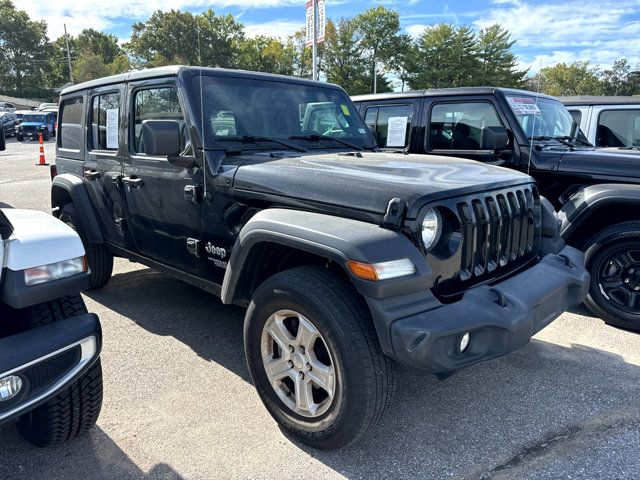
378, 30
497, 62
301, 54
24, 50
620, 79
104, 45
344, 62
89, 66
447, 56
181, 37
577, 78
120, 64
404, 59
265, 54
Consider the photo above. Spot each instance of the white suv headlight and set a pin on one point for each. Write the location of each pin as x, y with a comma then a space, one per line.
55, 271
431, 228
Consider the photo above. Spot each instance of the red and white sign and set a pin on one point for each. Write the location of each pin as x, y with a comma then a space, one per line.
310, 20
321, 20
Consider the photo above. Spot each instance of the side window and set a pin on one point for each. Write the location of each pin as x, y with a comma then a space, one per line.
156, 104
576, 115
105, 116
460, 126
70, 125
618, 128
391, 124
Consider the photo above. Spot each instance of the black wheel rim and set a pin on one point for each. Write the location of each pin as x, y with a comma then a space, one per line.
619, 278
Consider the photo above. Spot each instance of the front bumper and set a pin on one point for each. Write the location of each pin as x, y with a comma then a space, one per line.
47, 360
500, 318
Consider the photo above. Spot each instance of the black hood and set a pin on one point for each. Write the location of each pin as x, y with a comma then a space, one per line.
603, 162
369, 181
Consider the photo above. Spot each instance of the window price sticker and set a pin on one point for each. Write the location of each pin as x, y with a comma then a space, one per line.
524, 105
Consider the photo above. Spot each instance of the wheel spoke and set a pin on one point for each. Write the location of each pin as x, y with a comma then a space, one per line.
307, 334
611, 282
304, 396
322, 376
280, 334
277, 369
633, 300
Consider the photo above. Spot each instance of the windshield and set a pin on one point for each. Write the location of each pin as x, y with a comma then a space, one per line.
245, 108
543, 117
33, 118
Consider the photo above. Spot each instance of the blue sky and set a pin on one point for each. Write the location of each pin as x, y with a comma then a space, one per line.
547, 31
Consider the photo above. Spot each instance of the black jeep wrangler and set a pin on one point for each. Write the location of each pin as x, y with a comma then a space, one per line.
269, 192
597, 190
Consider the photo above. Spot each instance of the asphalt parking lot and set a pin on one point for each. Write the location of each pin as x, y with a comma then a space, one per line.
179, 402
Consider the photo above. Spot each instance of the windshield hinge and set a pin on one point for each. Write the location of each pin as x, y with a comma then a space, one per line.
395, 213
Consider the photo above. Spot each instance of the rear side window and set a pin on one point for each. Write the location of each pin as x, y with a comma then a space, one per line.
105, 117
70, 125
155, 104
618, 128
391, 124
460, 126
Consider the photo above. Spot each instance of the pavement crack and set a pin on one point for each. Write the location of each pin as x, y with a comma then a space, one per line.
625, 416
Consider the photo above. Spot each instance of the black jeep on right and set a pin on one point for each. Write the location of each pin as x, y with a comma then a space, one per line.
596, 189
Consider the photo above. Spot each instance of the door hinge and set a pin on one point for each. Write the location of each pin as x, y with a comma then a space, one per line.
194, 246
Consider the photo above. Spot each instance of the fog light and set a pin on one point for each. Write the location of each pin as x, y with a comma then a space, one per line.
464, 342
10, 387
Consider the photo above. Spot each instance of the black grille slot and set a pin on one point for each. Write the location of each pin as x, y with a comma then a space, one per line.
498, 231
41, 376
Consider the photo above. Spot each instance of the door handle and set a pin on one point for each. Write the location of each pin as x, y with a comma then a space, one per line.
91, 174
134, 182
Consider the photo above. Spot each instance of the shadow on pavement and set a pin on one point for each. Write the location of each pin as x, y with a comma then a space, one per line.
464, 426
91, 456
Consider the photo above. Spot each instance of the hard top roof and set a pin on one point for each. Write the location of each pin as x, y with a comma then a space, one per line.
441, 92
599, 100
174, 70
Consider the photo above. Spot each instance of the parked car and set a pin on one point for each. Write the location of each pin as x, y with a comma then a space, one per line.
7, 107
9, 121
36, 123
50, 372
607, 121
597, 189
43, 106
19, 115
274, 197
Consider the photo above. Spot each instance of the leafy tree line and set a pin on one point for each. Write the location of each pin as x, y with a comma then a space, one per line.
362, 53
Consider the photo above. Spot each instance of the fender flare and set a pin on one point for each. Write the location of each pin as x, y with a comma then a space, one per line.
586, 201
77, 191
335, 238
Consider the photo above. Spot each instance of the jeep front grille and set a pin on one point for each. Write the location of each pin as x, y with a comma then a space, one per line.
499, 232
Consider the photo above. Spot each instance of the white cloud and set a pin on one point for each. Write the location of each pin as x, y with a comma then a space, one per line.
416, 30
274, 28
597, 31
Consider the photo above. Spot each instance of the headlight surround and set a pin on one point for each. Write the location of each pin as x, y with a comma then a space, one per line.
55, 271
431, 228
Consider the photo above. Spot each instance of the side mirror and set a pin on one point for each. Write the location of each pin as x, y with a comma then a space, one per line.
160, 138
495, 138
3, 142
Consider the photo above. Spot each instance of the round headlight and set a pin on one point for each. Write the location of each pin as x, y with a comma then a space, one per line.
431, 228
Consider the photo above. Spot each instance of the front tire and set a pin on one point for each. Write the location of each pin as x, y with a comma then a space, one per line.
315, 359
76, 409
99, 258
613, 260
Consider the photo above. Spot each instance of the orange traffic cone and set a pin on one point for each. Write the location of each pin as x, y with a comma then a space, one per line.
42, 162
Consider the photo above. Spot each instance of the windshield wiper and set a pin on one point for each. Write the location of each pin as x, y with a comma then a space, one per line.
314, 137
562, 140
260, 138
573, 139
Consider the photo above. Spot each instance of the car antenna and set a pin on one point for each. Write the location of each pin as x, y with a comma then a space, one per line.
202, 133
533, 125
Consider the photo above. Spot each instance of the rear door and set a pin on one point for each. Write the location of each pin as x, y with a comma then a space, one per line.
161, 219
394, 123
102, 169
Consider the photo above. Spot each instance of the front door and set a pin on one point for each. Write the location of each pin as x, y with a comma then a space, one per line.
162, 222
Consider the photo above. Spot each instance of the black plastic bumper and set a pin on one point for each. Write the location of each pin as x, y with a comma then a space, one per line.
47, 360
500, 318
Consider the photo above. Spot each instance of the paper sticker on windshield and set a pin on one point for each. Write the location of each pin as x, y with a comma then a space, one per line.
345, 110
112, 128
397, 132
524, 105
